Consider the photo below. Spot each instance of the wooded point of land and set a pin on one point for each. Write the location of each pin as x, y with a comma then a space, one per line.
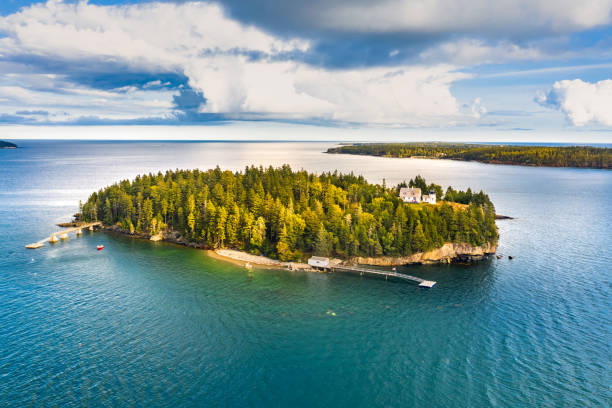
289, 215
549, 156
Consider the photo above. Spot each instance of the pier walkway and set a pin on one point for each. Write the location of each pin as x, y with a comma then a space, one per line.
64, 234
363, 271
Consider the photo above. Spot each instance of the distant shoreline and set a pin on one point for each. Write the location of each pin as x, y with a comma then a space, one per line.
7, 145
585, 157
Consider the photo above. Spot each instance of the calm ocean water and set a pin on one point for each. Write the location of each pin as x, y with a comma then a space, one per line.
152, 324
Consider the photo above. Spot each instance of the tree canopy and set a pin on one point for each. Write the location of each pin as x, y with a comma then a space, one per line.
289, 215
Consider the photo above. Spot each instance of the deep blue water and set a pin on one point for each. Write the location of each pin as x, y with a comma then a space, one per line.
152, 324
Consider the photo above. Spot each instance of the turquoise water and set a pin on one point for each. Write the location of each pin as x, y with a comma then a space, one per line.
153, 324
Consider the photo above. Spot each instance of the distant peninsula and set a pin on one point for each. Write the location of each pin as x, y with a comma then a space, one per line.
545, 156
290, 215
7, 145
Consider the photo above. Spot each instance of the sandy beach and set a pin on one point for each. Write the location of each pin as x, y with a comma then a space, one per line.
242, 258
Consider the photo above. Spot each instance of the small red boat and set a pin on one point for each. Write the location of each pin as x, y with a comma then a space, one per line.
100, 247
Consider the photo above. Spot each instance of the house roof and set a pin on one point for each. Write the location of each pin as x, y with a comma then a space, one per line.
319, 258
410, 191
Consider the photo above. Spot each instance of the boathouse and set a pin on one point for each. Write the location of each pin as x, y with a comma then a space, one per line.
318, 262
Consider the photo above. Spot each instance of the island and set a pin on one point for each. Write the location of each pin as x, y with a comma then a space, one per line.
7, 145
288, 215
546, 156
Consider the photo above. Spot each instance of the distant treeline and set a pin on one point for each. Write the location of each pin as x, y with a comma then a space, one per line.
550, 156
288, 214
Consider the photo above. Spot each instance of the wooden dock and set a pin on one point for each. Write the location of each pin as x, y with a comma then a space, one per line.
64, 234
379, 272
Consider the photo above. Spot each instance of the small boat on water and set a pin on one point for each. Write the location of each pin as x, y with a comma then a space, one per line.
100, 247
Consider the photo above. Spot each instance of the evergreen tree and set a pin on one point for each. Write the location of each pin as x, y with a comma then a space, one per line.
323, 244
418, 241
258, 233
108, 214
282, 247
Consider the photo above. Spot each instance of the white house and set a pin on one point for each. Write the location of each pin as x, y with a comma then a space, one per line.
413, 195
410, 194
318, 262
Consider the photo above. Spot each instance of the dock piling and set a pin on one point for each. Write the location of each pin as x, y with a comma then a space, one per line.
362, 271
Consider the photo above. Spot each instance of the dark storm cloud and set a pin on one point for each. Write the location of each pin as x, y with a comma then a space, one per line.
188, 100
344, 51
330, 48
186, 105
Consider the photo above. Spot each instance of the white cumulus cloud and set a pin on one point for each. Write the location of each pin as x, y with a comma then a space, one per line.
477, 108
582, 102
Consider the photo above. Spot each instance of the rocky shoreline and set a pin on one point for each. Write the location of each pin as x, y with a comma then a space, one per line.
448, 253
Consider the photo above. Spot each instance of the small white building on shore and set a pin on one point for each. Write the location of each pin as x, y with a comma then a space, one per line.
318, 262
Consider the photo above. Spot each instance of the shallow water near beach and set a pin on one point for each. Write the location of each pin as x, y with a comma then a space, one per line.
155, 324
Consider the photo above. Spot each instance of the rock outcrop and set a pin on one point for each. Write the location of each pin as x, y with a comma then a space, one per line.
169, 236
447, 253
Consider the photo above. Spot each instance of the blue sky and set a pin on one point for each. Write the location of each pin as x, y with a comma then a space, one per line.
509, 65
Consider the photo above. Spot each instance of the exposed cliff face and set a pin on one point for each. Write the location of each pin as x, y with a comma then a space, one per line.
448, 253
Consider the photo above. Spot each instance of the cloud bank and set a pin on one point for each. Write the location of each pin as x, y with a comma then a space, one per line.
377, 62
239, 71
